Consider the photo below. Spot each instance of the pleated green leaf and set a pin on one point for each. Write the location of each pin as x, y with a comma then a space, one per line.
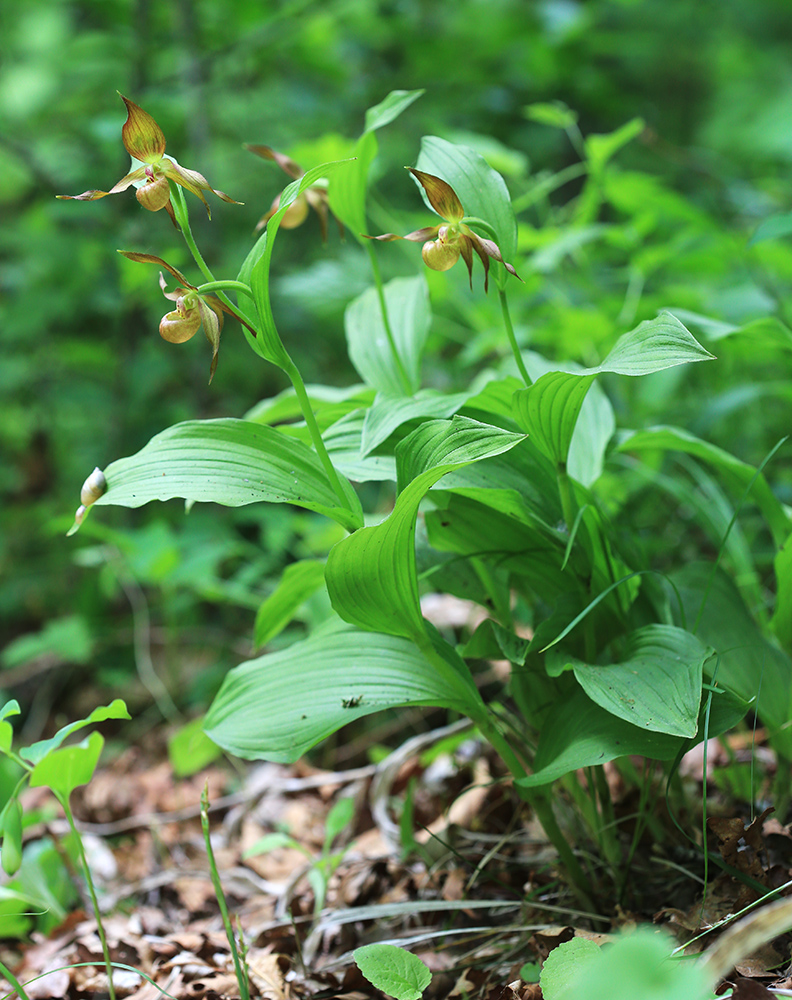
548, 410
371, 575
657, 685
577, 733
230, 462
409, 315
278, 706
299, 581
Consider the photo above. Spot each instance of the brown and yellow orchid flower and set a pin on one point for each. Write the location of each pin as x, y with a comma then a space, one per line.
444, 244
314, 197
193, 309
144, 141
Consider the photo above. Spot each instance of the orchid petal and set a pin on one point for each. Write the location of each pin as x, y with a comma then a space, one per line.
441, 195
149, 258
193, 181
142, 136
467, 256
212, 320
181, 325
287, 165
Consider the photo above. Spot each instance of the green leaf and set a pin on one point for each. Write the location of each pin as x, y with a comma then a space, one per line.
371, 575
67, 768
278, 706
389, 413
38, 751
739, 474
230, 462
481, 189
338, 819
299, 581
637, 966
655, 344
747, 663
256, 267
781, 622
394, 971
595, 424
407, 303
563, 963
347, 189
458, 442
548, 410
344, 443
772, 228
556, 114
657, 685
390, 108
601, 148
190, 750
69, 638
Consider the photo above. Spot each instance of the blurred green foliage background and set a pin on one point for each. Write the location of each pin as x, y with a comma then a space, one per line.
85, 377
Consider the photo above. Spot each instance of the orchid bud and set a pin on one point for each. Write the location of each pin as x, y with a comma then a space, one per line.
295, 214
93, 487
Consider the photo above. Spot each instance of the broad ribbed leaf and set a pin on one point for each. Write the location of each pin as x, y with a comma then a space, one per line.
782, 618
407, 303
577, 733
652, 346
747, 662
548, 410
348, 187
230, 462
256, 266
278, 706
371, 575
657, 685
458, 441
393, 970
388, 413
481, 189
739, 474
300, 581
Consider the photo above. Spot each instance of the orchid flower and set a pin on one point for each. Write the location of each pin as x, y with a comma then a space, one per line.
444, 244
314, 197
144, 141
193, 309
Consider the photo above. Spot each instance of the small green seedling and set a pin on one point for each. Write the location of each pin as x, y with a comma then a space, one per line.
396, 972
49, 764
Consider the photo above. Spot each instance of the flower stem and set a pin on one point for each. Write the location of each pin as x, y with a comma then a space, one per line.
240, 972
403, 376
512, 339
316, 435
64, 801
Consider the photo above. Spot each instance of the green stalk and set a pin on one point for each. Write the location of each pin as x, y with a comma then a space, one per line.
64, 801
316, 435
9, 975
512, 339
403, 376
241, 974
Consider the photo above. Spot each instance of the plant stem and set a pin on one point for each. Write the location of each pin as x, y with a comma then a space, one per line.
512, 339
316, 435
241, 974
543, 810
64, 801
403, 376
11, 978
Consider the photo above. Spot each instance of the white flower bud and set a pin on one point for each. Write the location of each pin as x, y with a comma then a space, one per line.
93, 487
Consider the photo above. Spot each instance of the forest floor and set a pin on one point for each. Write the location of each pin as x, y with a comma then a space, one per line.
478, 896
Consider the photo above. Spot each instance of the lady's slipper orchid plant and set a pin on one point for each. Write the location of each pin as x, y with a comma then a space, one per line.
443, 245
314, 197
144, 141
193, 309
